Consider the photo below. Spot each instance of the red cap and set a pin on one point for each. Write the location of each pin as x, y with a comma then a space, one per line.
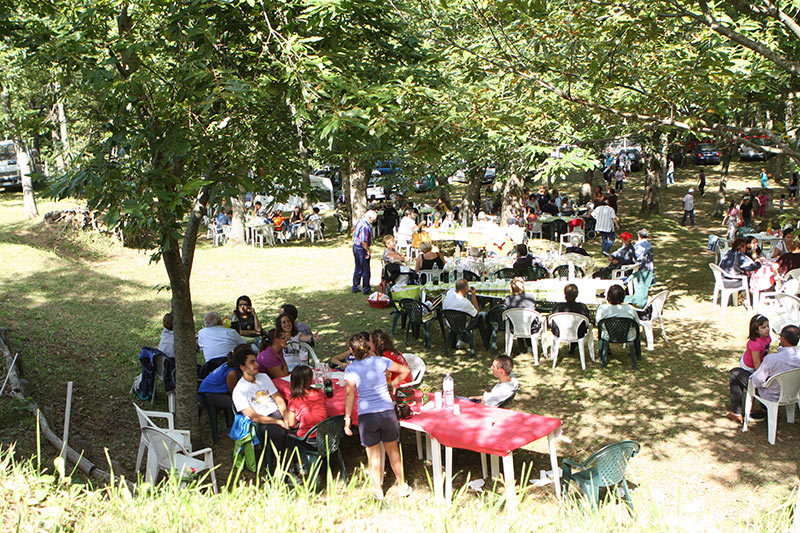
625, 236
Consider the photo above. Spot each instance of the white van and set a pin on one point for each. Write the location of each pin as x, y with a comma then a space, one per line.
9, 169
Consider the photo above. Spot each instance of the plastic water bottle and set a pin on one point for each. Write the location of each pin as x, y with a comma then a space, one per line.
447, 387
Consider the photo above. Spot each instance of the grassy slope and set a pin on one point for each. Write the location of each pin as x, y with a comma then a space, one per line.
80, 307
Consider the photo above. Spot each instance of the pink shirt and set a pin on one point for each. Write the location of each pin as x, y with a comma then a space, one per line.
268, 359
760, 345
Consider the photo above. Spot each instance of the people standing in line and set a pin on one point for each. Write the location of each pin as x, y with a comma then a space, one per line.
362, 239
606, 224
670, 171
701, 183
688, 208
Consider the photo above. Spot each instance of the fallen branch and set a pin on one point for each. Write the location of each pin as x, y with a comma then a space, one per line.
82, 463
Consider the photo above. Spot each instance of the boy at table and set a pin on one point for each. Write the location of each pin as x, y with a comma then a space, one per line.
506, 385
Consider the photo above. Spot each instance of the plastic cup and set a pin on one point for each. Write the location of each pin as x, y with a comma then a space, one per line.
437, 399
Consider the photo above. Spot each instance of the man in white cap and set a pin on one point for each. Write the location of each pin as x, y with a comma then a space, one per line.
688, 207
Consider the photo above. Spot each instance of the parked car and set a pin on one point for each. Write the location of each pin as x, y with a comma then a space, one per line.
459, 177
10, 176
374, 188
425, 183
489, 175
385, 168
751, 153
706, 154
632, 149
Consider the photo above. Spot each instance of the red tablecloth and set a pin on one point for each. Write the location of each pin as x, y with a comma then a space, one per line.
335, 404
484, 429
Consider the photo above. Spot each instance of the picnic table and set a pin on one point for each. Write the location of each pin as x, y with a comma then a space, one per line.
544, 290
483, 429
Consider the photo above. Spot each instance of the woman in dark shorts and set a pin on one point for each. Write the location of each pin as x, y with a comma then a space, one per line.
377, 421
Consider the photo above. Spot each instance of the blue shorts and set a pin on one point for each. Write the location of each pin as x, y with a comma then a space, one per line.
375, 428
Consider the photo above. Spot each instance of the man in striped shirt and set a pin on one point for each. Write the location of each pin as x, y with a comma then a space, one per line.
362, 239
606, 224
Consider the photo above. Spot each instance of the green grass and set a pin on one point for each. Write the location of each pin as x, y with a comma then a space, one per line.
80, 307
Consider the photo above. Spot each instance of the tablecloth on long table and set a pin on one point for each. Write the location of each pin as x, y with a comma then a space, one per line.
484, 429
335, 404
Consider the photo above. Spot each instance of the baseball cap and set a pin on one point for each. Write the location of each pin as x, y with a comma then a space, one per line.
691, 191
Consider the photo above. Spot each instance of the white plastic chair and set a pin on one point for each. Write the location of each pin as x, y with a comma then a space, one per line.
264, 234
722, 246
789, 383
657, 302
564, 240
417, 367
623, 272
790, 305
793, 274
762, 303
727, 292
221, 236
314, 229
520, 320
171, 456
312, 355
432, 276
536, 231
568, 324
146, 420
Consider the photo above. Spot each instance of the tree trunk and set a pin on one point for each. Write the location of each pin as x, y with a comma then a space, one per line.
62, 127
444, 189
513, 191
178, 262
470, 204
726, 153
344, 172
358, 190
237, 221
59, 155
653, 171
305, 168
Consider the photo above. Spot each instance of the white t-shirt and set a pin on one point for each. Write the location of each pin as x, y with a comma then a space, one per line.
501, 392
167, 343
217, 341
454, 301
257, 395
605, 215
405, 230
688, 202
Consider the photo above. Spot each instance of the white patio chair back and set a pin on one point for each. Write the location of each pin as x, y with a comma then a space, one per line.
568, 325
313, 360
720, 290
264, 234
657, 302
314, 229
790, 306
518, 326
794, 274
417, 367
172, 456
622, 272
789, 383
146, 420
431, 276
722, 246
536, 231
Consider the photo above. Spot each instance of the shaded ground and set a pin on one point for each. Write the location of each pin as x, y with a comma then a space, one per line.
80, 309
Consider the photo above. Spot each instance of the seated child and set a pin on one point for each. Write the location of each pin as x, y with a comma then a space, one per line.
307, 406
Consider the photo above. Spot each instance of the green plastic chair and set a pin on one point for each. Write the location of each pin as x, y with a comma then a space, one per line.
615, 330
458, 322
604, 468
321, 441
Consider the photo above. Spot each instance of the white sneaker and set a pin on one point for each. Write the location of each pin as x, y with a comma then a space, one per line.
405, 490
377, 495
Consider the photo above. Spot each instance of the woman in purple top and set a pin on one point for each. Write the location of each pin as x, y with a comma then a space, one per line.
377, 421
270, 357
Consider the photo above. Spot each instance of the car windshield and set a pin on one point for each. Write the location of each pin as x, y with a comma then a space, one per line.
707, 147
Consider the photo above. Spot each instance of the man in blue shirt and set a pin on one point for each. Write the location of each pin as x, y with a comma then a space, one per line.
362, 239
